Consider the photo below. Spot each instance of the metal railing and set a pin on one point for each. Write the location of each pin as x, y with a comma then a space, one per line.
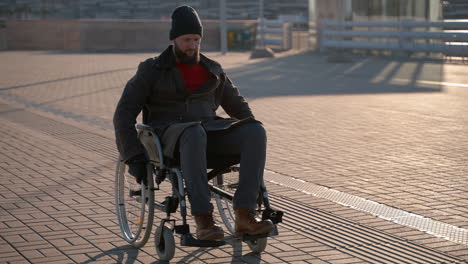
449, 38
274, 33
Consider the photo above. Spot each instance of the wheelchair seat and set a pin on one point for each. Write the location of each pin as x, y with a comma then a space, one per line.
153, 146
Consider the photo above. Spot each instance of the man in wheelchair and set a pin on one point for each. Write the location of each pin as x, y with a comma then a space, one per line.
179, 92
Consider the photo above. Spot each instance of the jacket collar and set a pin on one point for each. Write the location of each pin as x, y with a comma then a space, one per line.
167, 60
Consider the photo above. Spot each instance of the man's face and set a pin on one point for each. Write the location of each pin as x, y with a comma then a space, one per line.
187, 48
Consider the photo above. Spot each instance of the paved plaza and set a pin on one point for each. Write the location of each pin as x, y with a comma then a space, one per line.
368, 158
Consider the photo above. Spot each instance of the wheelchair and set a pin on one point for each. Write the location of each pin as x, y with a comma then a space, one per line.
135, 203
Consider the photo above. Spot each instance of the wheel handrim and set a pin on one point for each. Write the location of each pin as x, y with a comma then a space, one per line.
228, 183
132, 212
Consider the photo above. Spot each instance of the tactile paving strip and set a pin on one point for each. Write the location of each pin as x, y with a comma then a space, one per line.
371, 245
363, 242
56, 111
81, 138
449, 232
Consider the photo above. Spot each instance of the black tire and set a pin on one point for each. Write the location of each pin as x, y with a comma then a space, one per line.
166, 246
258, 245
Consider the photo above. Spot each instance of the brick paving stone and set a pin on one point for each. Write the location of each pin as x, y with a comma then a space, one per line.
50, 252
284, 247
347, 260
32, 254
295, 257
463, 253
9, 254
63, 259
314, 249
14, 238
32, 237
60, 261
318, 261
33, 245
81, 258
336, 258
15, 260
60, 243
58, 234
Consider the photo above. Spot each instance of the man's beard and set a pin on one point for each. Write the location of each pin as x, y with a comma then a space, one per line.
184, 58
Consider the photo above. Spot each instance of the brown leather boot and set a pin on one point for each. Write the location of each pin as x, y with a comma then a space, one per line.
207, 229
248, 223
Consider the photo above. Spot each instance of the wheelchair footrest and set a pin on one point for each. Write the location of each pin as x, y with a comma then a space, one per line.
189, 241
182, 229
276, 216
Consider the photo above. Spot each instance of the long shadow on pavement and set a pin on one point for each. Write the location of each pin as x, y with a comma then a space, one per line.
312, 74
129, 255
294, 75
65, 79
125, 254
237, 256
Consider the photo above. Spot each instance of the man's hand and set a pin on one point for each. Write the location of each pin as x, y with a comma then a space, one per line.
137, 167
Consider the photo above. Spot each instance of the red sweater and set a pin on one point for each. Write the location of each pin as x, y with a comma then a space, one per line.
194, 75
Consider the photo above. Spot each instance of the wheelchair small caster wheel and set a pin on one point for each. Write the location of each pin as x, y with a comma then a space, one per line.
165, 245
258, 245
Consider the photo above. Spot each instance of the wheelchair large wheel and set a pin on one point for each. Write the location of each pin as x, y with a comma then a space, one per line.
229, 182
134, 205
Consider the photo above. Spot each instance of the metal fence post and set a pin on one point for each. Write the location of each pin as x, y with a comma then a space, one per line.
319, 35
223, 32
405, 42
287, 36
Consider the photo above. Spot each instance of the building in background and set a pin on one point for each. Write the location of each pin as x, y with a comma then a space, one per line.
144, 9
124, 25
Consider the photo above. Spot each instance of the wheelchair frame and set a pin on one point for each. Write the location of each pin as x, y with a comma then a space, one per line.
144, 195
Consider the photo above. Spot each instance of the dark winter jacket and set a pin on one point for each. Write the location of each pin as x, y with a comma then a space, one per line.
159, 91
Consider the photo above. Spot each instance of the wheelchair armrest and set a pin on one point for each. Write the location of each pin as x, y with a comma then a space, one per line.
150, 140
144, 127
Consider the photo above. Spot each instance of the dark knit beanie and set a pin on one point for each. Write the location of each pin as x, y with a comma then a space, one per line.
185, 20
